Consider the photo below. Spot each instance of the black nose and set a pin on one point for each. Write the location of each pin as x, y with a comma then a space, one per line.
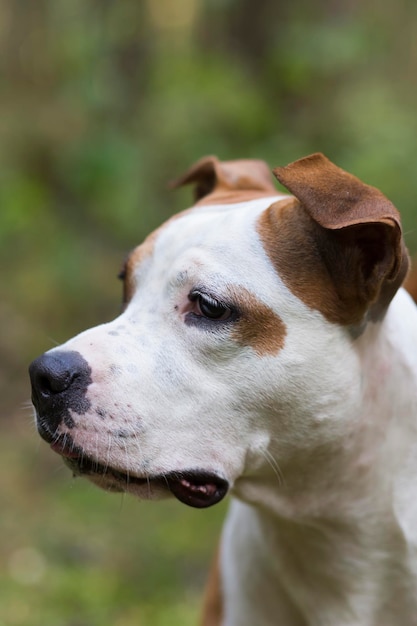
59, 383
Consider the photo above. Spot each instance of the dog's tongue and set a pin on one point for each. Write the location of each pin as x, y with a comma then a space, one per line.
197, 489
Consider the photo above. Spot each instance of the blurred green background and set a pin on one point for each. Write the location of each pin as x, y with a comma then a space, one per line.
102, 103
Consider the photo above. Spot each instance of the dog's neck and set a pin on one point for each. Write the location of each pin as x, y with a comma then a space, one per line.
320, 572
335, 515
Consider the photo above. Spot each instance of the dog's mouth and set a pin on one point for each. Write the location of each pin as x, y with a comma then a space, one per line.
196, 488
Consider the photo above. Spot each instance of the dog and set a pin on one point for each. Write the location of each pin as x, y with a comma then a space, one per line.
266, 348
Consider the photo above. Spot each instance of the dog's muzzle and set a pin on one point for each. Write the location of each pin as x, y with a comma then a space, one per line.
59, 384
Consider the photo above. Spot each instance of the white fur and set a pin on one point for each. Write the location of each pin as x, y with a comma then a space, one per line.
342, 528
318, 441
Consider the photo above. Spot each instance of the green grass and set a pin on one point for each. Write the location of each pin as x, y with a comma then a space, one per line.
73, 555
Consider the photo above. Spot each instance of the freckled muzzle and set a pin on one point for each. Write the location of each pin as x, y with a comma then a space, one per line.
59, 384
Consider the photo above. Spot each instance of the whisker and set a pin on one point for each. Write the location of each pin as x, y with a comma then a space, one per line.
59, 468
55, 437
274, 464
139, 446
127, 464
73, 446
32, 425
109, 446
38, 444
96, 463
64, 440
122, 500
166, 480
54, 342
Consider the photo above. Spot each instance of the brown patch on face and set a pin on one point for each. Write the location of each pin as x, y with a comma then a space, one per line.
213, 599
224, 182
135, 258
258, 326
294, 243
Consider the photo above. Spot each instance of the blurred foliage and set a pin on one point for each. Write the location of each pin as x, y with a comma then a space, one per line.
102, 103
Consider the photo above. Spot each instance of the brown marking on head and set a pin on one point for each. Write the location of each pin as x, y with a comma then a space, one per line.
258, 325
135, 258
292, 241
223, 182
213, 598
339, 249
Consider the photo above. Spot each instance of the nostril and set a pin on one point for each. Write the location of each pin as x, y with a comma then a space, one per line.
52, 383
44, 385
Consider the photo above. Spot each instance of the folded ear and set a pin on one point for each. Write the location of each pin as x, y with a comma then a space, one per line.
227, 181
360, 230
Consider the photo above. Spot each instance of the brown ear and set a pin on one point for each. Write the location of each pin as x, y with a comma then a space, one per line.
362, 243
227, 180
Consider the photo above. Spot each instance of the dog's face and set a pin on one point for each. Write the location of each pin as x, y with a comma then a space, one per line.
226, 354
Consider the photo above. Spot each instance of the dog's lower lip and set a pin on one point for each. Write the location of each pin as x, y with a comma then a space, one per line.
65, 451
196, 488
64, 446
84, 466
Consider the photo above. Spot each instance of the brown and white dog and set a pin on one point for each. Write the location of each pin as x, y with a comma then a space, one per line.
265, 349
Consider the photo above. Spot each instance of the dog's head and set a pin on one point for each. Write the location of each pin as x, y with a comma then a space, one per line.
236, 342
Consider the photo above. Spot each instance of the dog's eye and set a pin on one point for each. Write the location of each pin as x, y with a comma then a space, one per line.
210, 308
